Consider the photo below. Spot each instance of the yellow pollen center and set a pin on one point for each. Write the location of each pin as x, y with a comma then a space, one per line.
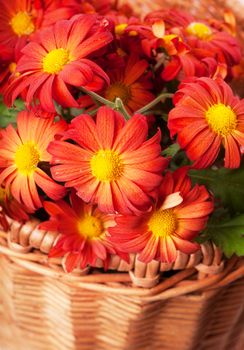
55, 61
163, 223
168, 38
118, 90
22, 24
90, 227
133, 33
221, 119
106, 165
120, 28
27, 158
201, 30
12, 67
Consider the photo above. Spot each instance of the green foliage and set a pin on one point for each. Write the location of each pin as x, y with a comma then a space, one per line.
8, 115
226, 184
228, 235
171, 150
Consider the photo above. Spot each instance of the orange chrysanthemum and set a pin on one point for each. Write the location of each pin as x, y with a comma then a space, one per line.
113, 164
22, 150
206, 115
83, 228
56, 60
20, 19
176, 219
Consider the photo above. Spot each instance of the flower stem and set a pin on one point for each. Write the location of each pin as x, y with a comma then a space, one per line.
154, 102
98, 98
119, 106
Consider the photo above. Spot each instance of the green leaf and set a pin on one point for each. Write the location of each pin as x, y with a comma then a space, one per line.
229, 236
226, 184
8, 115
171, 150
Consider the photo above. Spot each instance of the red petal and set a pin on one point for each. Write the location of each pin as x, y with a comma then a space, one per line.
71, 261
169, 253
185, 246
150, 251
232, 153
132, 135
51, 188
62, 94
45, 95
195, 210
109, 123
85, 132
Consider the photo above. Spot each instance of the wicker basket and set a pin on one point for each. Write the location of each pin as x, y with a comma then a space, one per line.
195, 303
199, 306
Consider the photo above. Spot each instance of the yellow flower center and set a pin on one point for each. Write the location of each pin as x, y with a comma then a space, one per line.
118, 90
55, 61
120, 28
168, 38
106, 165
12, 67
90, 227
221, 119
22, 24
27, 158
163, 223
201, 30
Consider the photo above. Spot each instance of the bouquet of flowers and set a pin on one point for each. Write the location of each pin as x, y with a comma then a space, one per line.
122, 134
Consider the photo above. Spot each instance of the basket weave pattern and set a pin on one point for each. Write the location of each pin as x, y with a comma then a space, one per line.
44, 308
41, 312
199, 305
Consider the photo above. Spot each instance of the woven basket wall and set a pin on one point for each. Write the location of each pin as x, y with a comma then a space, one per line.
41, 313
195, 304
199, 305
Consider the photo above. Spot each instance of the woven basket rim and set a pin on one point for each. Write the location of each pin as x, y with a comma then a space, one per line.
204, 276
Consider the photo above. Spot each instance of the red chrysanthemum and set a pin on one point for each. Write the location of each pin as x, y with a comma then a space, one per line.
129, 80
177, 218
56, 60
113, 164
83, 228
202, 35
22, 150
20, 19
206, 115
185, 61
